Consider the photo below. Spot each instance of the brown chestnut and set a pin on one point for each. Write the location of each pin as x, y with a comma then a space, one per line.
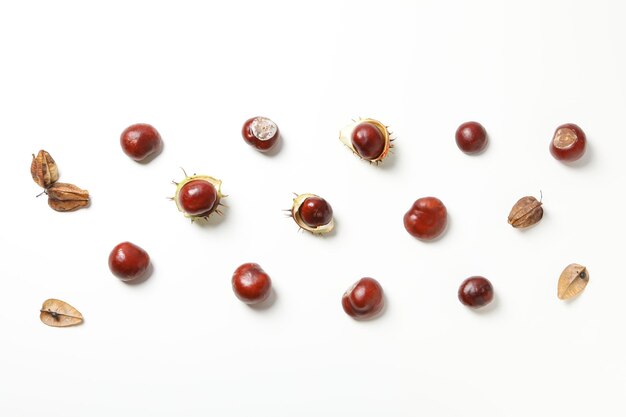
140, 140
128, 261
476, 292
426, 219
568, 143
364, 299
471, 137
261, 133
251, 283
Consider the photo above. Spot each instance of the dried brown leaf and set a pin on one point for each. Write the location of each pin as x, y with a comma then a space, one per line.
67, 192
59, 205
67, 197
43, 169
526, 212
57, 313
572, 281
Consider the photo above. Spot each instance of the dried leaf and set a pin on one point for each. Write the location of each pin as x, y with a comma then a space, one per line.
57, 313
526, 212
67, 197
59, 205
43, 169
67, 192
572, 281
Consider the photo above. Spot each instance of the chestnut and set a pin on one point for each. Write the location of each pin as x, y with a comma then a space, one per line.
369, 139
312, 213
568, 143
128, 261
364, 299
476, 292
426, 219
261, 133
198, 196
315, 211
251, 283
140, 140
471, 137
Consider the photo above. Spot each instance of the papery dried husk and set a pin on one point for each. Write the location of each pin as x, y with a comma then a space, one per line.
63, 206
526, 212
57, 313
572, 281
44, 169
67, 197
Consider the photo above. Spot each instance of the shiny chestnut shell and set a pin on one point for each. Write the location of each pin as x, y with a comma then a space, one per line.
471, 137
128, 261
368, 138
476, 292
568, 143
140, 140
426, 219
261, 133
364, 300
251, 284
197, 197
368, 141
315, 212
312, 213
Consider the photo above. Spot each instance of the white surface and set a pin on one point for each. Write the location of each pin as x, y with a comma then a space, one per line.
74, 75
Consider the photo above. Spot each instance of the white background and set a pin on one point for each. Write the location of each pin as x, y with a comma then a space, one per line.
73, 75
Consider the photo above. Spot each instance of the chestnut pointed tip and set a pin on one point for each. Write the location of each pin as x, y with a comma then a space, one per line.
57, 313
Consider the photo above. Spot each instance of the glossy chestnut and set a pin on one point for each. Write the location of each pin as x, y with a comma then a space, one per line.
312, 213
251, 283
568, 143
426, 219
364, 299
260, 133
140, 140
197, 197
316, 212
368, 140
471, 137
476, 292
128, 261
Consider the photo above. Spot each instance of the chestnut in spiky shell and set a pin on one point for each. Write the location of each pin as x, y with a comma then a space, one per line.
198, 196
369, 139
312, 213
